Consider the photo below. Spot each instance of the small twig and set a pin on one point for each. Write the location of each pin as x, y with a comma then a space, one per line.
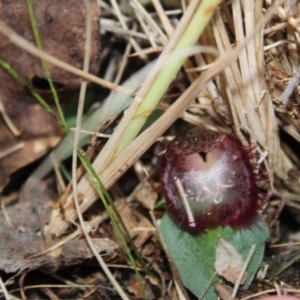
276, 27
11, 150
89, 225
208, 285
74, 158
4, 290
59, 244
284, 199
259, 294
182, 295
142, 14
163, 18
15, 131
21, 284
97, 134
285, 245
277, 288
149, 34
3, 208
247, 261
121, 68
185, 203
284, 98
30, 48
278, 43
270, 291
120, 16
148, 51
113, 26
60, 181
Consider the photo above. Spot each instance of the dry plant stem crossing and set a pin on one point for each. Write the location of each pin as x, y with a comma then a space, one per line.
30, 48
243, 270
4, 290
120, 16
86, 63
181, 292
185, 203
131, 153
15, 131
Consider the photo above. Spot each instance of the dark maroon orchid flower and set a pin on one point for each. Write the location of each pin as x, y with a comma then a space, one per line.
208, 180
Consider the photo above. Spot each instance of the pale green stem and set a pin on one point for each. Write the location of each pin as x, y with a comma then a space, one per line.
167, 72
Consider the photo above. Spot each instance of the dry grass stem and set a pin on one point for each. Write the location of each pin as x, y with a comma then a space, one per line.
112, 26
168, 27
11, 150
61, 186
151, 28
86, 63
185, 203
4, 290
117, 80
243, 270
6, 215
120, 16
181, 293
24, 44
290, 88
8, 121
207, 286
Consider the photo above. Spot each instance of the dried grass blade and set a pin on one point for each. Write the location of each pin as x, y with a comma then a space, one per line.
30, 48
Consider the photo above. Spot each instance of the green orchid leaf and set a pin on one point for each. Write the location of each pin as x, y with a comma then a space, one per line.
194, 255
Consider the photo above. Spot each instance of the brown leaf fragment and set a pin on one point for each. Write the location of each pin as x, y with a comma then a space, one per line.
223, 292
146, 195
134, 287
229, 262
139, 226
61, 26
22, 239
73, 253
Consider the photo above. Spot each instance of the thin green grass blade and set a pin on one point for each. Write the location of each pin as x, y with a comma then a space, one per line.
5, 66
35, 30
285, 266
125, 230
103, 196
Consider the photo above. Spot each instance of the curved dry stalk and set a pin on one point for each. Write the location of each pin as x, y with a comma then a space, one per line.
9, 123
30, 48
4, 290
83, 88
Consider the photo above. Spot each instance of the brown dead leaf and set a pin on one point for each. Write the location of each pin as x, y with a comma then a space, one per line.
134, 287
223, 292
22, 238
146, 195
140, 228
62, 31
229, 262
